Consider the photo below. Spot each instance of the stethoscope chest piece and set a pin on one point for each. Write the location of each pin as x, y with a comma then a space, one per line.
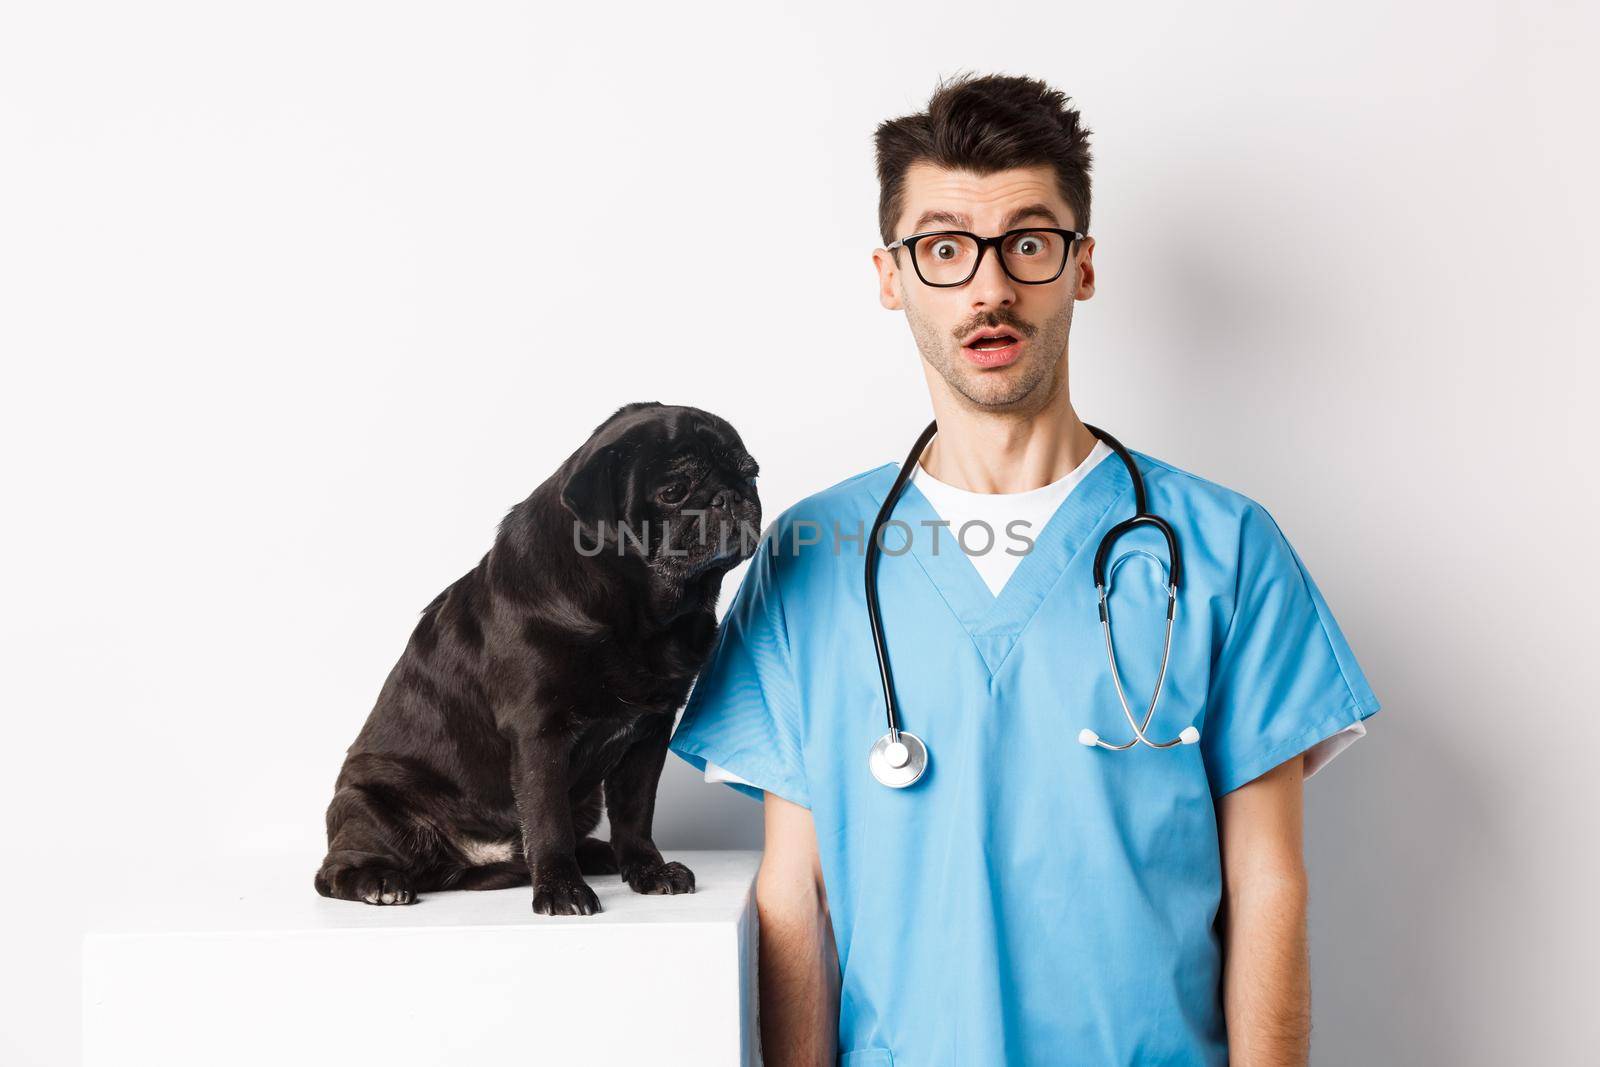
898, 763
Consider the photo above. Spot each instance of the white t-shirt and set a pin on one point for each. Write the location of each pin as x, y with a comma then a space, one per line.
997, 511
995, 564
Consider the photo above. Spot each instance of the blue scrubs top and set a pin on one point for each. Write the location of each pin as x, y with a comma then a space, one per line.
1029, 899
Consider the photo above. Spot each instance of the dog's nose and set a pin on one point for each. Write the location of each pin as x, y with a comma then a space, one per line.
726, 498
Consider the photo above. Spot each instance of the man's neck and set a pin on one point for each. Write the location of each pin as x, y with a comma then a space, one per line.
986, 452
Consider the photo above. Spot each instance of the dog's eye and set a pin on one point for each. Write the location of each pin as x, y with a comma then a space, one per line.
673, 492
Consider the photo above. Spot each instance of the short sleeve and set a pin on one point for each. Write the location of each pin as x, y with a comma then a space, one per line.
743, 714
1284, 680
721, 774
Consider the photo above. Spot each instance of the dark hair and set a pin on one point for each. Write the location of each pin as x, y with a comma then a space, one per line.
986, 124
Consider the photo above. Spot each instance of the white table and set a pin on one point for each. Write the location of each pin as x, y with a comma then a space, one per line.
250, 966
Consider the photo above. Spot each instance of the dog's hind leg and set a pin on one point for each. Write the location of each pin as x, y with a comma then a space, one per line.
595, 856
365, 860
506, 875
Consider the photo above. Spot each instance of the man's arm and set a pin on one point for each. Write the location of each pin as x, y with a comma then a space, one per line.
1266, 969
798, 964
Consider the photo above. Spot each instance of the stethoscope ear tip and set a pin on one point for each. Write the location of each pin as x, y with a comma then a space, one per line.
1088, 737
1189, 735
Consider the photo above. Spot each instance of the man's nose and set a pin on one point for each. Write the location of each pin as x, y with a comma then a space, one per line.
991, 285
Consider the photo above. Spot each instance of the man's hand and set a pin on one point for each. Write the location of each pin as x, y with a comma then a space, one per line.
798, 962
1266, 970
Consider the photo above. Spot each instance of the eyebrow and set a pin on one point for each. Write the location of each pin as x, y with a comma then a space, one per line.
952, 218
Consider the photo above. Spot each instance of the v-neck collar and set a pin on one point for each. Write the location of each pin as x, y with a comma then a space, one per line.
994, 622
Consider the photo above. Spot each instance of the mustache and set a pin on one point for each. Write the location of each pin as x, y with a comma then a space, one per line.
993, 320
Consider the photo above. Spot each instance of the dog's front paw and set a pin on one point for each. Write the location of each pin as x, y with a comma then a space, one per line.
672, 877
563, 893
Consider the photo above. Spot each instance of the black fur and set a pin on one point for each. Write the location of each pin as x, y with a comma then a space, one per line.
545, 681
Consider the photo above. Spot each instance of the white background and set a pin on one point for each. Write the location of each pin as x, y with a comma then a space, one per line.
298, 298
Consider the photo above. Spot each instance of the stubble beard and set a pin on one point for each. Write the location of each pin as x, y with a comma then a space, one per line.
1024, 386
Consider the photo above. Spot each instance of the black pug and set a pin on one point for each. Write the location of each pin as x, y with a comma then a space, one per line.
550, 675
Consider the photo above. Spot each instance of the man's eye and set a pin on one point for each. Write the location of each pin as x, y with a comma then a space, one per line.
1026, 245
673, 493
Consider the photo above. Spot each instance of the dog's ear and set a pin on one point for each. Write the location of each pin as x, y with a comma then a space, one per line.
592, 492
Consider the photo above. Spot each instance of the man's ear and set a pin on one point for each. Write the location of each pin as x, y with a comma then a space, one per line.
591, 493
889, 294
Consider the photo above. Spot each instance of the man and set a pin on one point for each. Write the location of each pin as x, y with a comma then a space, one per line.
1028, 899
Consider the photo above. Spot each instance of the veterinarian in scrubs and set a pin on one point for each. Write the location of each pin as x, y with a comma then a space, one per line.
1030, 899
1029, 895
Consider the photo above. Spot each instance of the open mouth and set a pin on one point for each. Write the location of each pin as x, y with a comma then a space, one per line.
988, 342
992, 348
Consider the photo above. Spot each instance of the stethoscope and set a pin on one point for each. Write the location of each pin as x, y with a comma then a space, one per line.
900, 757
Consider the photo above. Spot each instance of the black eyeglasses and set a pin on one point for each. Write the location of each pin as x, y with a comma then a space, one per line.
947, 258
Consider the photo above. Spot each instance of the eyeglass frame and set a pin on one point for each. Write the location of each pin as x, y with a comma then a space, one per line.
909, 241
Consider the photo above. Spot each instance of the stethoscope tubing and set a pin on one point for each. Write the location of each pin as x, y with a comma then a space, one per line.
1141, 517
874, 615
